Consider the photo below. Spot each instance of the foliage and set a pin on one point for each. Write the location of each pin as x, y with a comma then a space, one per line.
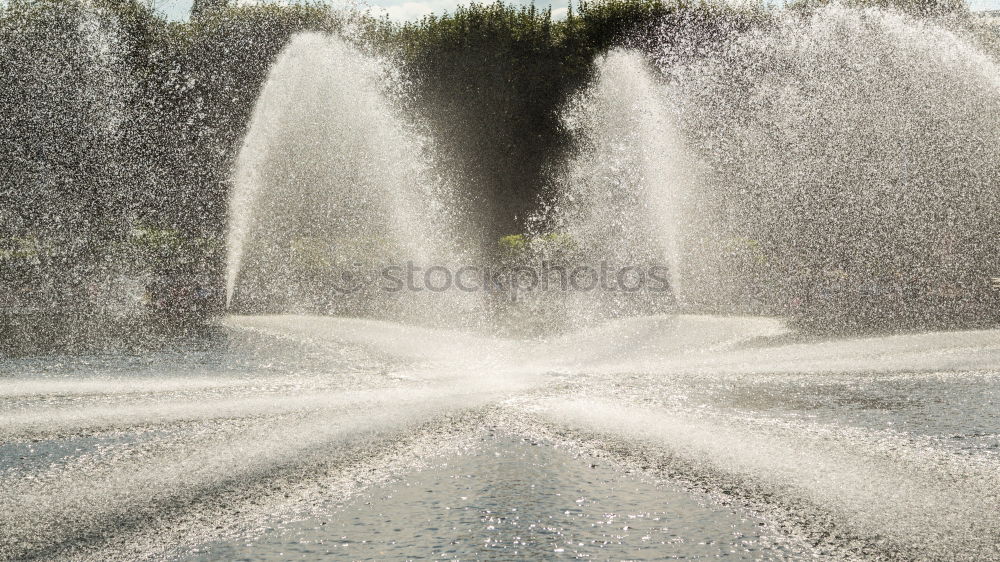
513, 244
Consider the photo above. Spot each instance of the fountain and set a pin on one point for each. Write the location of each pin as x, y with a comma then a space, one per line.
793, 172
620, 198
331, 188
784, 170
855, 155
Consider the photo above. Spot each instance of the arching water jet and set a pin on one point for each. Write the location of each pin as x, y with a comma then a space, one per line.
622, 194
331, 185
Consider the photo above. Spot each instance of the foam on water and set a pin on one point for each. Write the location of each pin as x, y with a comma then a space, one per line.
690, 388
915, 501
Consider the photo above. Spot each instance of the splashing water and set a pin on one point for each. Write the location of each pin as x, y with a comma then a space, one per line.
863, 133
622, 194
854, 156
330, 185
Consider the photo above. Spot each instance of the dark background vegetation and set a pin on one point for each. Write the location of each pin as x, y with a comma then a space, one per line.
119, 128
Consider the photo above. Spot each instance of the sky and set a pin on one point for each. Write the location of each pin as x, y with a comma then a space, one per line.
413, 9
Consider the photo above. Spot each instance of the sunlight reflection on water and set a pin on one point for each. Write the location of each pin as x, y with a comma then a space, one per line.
514, 499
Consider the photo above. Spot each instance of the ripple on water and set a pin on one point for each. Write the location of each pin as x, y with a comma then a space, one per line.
511, 499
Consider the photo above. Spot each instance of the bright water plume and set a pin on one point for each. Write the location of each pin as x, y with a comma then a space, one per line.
853, 151
331, 184
622, 196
